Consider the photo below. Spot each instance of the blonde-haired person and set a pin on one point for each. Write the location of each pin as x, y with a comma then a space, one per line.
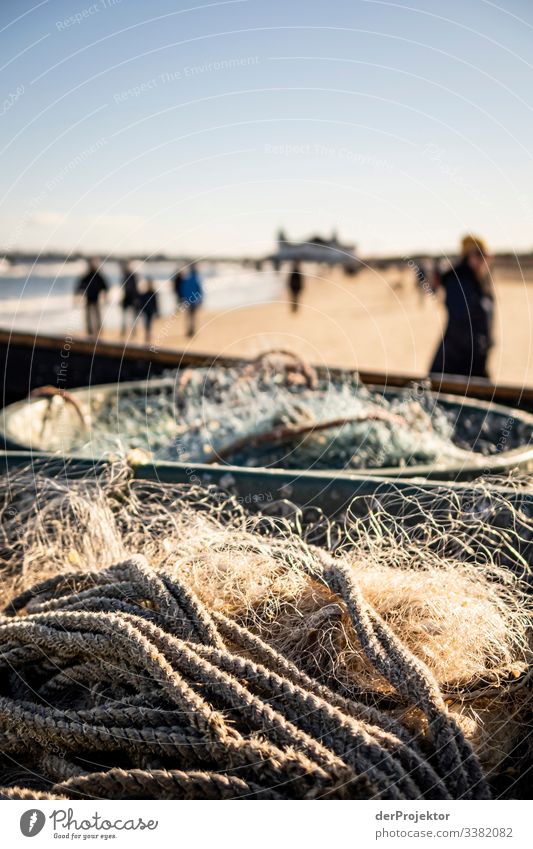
469, 298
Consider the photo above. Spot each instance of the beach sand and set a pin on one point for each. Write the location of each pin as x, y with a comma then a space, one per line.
376, 320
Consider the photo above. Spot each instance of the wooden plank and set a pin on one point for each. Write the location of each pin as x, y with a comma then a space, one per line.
29, 360
257, 488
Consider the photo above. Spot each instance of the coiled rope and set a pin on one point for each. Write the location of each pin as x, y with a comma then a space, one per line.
121, 684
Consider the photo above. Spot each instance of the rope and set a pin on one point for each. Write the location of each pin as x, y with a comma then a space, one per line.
127, 668
287, 433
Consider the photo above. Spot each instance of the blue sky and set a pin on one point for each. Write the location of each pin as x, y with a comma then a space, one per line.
134, 126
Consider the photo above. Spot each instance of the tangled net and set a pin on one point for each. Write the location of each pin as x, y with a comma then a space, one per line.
175, 646
275, 412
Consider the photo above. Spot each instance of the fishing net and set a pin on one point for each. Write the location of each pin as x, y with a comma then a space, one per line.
276, 411
159, 641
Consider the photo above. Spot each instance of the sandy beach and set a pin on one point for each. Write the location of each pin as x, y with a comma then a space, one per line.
376, 320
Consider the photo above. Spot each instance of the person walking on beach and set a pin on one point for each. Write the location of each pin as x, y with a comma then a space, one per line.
177, 281
92, 286
427, 277
191, 297
295, 284
148, 307
130, 296
469, 297
422, 279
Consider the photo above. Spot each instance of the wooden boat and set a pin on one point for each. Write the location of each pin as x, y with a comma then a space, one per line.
28, 361
25, 426
309, 500
260, 489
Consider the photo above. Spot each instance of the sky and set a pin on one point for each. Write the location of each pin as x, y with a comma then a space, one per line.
204, 128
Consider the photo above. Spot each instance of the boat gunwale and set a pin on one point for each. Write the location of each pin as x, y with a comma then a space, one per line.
478, 464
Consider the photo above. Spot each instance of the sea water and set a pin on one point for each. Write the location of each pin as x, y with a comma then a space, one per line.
39, 296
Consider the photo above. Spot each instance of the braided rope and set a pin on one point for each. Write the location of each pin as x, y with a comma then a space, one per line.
163, 784
410, 677
129, 664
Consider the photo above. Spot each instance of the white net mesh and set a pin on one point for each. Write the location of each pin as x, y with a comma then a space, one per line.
437, 578
278, 412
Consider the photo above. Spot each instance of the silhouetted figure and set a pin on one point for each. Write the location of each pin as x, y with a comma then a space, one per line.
92, 286
295, 284
467, 339
191, 297
427, 277
148, 307
130, 296
177, 281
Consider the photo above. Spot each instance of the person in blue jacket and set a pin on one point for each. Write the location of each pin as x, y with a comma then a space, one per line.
191, 297
469, 298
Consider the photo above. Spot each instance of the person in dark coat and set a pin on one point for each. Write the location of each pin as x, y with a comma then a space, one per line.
148, 307
469, 299
177, 280
92, 286
130, 296
295, 285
